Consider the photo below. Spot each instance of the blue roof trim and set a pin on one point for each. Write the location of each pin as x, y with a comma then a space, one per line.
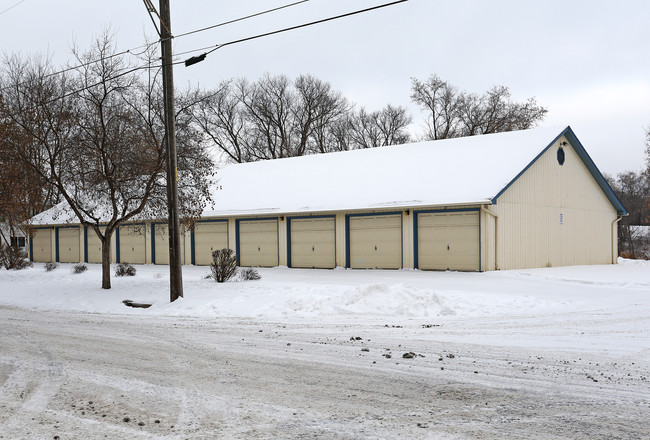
586, 160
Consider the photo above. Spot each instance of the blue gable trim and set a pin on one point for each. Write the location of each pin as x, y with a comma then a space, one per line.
586, 160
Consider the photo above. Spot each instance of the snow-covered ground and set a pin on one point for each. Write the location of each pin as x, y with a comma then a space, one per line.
541, 353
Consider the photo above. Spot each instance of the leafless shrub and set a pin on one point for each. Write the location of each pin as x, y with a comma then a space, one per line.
13, 257
79, 268
249, 274
124, 269
224, 265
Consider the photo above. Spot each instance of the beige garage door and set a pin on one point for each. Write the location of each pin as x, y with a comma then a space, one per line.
93, 246
376, 242
313, 243
258, 243
41, 246
448, 241
161, 244
209, 237
132, 245
68, 251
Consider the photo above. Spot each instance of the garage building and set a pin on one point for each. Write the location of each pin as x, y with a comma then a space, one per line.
523, 199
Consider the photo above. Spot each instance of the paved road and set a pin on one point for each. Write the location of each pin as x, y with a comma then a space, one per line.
88, 376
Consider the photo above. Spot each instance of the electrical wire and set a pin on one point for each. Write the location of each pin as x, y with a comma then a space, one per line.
213, 48
266, 34
88, 87
238, 19
147, 46
11, 7
88, 63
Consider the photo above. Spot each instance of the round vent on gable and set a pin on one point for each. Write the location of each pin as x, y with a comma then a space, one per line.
560, 156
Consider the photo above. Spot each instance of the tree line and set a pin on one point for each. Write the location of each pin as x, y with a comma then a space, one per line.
92, 134
633, 190
276, 117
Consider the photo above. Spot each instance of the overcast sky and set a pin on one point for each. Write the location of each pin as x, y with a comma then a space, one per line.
588, 62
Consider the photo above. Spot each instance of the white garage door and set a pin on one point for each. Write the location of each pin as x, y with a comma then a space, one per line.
161, 244
448, 241
208, 237
313, 243
68, 242
41, 246
258, 243
132, 244
93, 246
376, 242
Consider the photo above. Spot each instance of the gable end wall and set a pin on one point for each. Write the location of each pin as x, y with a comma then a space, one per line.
555, 215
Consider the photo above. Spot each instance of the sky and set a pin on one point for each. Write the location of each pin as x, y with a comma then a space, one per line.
588, 62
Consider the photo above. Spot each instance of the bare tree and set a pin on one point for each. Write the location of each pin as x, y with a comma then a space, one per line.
317, 108
380, 128
451, 113
221, 116
99, 135
439, 99
633, 190
22, 192
270, 118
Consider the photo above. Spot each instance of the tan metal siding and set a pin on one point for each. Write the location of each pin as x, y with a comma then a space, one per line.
488, 242
132, 244
41, 245
554, 215
313, 243
376, 242
209, 237
161, 244
448, 241
258, 243
69, 245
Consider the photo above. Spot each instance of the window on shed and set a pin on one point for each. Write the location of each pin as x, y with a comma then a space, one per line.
18, 241
560, 156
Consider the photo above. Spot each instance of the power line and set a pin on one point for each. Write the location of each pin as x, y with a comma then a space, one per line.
238, 19
213, 48
88, 63
11, 7
147, 46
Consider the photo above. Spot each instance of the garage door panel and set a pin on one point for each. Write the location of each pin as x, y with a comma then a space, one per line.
313, 243
41, 245
258, 243
376, 242
68, 245
449, 241
132, 244
209, 237
94, 246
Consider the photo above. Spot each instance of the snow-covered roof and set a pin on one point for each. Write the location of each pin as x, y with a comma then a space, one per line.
470, 170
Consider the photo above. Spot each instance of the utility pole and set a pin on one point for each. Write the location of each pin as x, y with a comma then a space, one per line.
175, 268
